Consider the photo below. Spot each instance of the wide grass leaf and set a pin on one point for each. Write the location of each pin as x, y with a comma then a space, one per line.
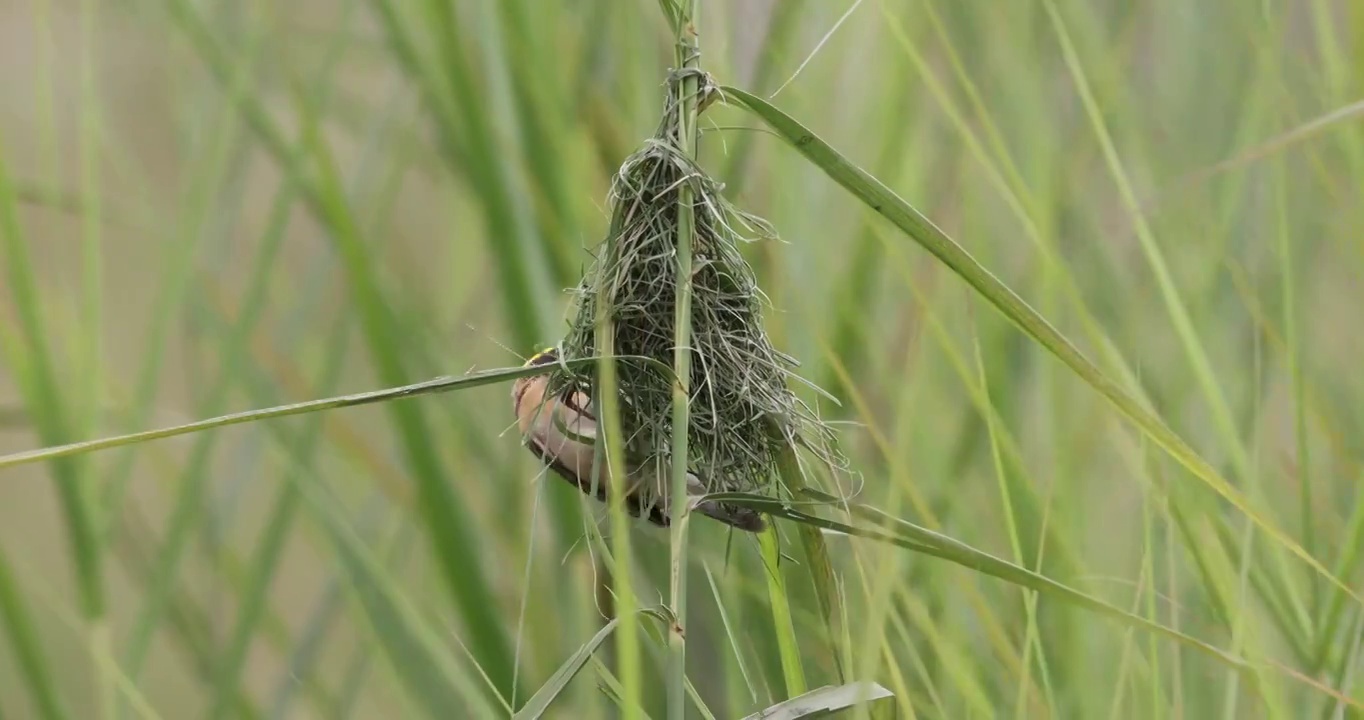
831, 699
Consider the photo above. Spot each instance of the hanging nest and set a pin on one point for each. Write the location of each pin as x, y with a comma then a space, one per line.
742, 413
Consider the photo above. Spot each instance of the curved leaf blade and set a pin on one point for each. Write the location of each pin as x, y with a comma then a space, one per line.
905, 534
884, 201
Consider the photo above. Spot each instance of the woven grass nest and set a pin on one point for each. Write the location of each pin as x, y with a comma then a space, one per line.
742, 411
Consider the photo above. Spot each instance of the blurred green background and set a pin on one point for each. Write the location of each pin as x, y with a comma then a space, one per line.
217, 206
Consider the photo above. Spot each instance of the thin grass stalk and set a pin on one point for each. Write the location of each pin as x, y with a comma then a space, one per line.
1295, 371
28, 647
521, 270
38, 382
1179, 316
1007, 502
450, 530
788, 644
262, 571
688, 58
782, 23
134, 547
101, 643
611, 452
428, 387
191, 484
920, 229
1148, 567
817, 562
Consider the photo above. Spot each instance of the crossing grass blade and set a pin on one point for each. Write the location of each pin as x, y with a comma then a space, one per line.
27, 650
884, 528
884, 201
430, 672
266, 560
540, 702
428, 387
26, 350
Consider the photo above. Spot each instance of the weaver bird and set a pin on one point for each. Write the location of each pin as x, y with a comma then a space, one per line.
561, 429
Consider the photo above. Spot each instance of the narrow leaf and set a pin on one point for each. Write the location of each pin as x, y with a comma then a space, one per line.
558, 682
919, 539
27, 647
430, 672
437, 385
883, 200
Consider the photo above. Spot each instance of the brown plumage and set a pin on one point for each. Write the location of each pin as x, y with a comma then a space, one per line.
560, 431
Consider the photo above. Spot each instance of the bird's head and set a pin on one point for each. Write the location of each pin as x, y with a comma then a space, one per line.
548, 356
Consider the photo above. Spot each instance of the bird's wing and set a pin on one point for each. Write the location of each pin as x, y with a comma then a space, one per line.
563, 435
564, 439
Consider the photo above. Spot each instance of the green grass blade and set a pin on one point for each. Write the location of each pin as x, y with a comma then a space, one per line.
921, 230
545, 128
688, 90
539, 703
788, 643
731, 636
782, 24
430, 672
449, 528
428, 387
277, 529
27, 647
818, 566
451, 85
870, 698
48, 409
611, 451
918, 539
44, 401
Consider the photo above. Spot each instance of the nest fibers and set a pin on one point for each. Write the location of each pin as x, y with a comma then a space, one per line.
742, 413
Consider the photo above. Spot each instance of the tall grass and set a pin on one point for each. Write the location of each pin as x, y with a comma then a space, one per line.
1106, 430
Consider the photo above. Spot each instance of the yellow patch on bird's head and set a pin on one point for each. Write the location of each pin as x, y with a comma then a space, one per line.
544, 357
